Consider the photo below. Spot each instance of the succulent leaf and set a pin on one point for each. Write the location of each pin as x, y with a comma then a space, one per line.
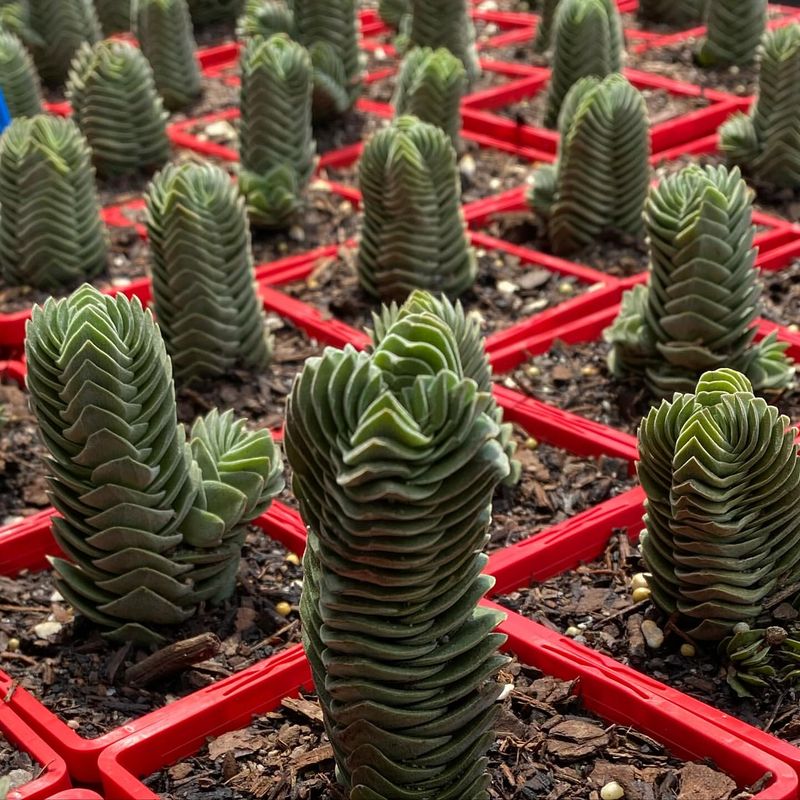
116, 105
328, 29
587, 42
202, 269
116, 16
703, 293
672, 12
395, 455
19, 80
61, 28
430, 86
148, 529
457, 35
164, 30
413, 234
265, 18
544, 30
767, 143
721, 472
733, 32
276, 140
15, 17
51, 232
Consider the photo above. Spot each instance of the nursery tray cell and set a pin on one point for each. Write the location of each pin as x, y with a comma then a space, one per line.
81, 677
16, 764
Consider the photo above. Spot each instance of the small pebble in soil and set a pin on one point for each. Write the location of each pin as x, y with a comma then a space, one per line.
641, 593
612, 791
293, 558
688, 650
653, 635
572, 631
283, 608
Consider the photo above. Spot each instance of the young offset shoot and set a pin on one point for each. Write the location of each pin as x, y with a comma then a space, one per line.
766, 144
395, 455
152, 524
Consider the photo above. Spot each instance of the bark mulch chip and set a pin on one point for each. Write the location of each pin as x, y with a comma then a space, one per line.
595, 599
548, 746
80, 676
505, 291
16, 765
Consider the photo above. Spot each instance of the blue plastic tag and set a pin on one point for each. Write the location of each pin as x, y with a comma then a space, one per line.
5, 117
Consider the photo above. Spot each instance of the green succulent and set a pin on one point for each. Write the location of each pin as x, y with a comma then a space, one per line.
767, 142
203, 283
396, 454
164, 30
698, 311
587, 42
672, 12
413, 234
115, 16
265, 18
393, 12
733, 32
207, 12
721, 472
457, 35
61, 28
600, 180
19, 80
328, 29
51, 232
15, 17
276, 140
116, 105
152, 524
544, 29
430, 86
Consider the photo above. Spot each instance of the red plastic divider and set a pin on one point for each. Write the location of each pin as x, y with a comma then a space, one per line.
53, 777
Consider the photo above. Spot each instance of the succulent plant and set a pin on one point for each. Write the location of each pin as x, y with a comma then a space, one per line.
457, 35
51, 233
115, 16
721, 472
672, 12
153, 524
203, 284
328, 29
164, 30
767, 142
733, 32
15, 17
587, 42
544, 28
396, 454
601, 178
265, 18
116, 105
430, 86
276, 141
413, 234
393, 12
698, 311
19, 80
206, 12
61, 28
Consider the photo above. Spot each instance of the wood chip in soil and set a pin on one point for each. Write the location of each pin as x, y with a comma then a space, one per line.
575, 378
596, 599
79, 676
505, 291
16, 765
548, 746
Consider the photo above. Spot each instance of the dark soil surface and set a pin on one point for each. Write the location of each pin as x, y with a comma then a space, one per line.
595, 599
576, 379
80, 676
504, 293
661, 106
127, 260
548, 746
617, 255
16, 765
780, 298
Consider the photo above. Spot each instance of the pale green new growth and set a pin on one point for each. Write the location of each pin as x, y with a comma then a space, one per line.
413, 234
276, 140
600, 181
767, 142
204, 295
164, 30
734, 31
152, 524
51, 233
19, 80
395, 456
265, 18
116, 105
721, 472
